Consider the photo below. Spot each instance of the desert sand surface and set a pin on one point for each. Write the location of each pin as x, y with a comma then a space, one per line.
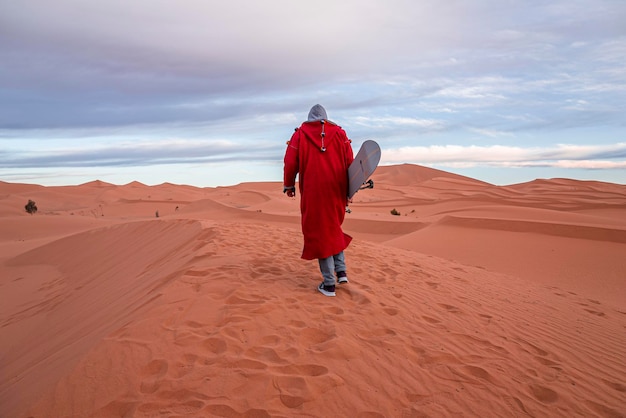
475, 301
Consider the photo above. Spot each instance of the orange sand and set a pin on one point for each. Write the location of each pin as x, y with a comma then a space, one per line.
476, 301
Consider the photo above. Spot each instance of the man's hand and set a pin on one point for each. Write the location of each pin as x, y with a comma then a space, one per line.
291, 191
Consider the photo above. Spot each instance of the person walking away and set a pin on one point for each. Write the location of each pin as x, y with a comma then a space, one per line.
320, 152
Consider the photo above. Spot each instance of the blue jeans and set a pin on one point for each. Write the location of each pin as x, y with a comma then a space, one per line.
330, 265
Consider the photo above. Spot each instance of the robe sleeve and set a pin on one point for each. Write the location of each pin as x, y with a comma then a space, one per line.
291, 160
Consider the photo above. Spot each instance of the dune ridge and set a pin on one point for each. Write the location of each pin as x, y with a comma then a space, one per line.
477, 300
90, 281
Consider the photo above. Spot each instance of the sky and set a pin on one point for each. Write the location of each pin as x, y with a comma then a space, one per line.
207, 93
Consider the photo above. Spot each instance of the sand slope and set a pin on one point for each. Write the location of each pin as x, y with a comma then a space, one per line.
476, 301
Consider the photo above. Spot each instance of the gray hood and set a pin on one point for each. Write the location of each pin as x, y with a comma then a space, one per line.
317, 112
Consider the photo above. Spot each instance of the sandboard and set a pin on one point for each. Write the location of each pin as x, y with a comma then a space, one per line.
364, 164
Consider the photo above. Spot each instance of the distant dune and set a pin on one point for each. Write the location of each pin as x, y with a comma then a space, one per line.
172, 300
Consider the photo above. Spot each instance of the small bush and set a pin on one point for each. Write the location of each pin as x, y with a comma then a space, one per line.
31, 207
395, 212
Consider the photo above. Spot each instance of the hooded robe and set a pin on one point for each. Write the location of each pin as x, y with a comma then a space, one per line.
321, 153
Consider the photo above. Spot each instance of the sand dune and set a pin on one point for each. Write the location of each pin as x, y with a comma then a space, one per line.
477, 300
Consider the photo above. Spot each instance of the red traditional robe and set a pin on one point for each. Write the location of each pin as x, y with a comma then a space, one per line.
322, 162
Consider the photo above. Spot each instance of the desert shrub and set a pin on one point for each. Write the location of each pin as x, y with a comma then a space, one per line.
31, 207
395, 212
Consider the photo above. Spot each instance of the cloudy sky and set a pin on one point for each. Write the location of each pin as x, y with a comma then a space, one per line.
206, 92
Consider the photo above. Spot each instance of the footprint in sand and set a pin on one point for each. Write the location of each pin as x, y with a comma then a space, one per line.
271, 340
314, 336
359, 297
333, 310
236, 300
246, 364
486, 317
450, 308
518, 402
536, 349
297, 324
185, 366
194, 324
186, 339
221, 410
478, 372
215, 345
544, 394
197, 273
152, 374
264, 354
118, 409
460, 279
158, 408
596, 313
196, 279
267, 272
187, 408
302, 370
377, 334
391, 311
430, 320
294, 390
549, 363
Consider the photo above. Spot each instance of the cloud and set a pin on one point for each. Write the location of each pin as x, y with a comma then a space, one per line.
396, 121
85, 63
144, 153
583, 164
561, 156
186, 151
492, 73
493, 133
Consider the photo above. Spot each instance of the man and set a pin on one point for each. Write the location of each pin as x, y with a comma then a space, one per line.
321, 153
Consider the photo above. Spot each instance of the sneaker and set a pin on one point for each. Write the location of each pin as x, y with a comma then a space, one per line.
326, 290
342, 277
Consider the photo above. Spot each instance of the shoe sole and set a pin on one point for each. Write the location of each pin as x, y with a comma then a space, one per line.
326, 293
